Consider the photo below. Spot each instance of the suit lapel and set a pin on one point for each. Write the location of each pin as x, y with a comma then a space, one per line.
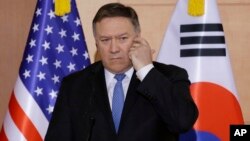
100, 94
130, 98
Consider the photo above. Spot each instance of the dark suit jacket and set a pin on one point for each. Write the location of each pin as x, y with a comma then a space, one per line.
156, 109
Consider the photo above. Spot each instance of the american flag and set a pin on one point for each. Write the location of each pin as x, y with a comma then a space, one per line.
55, 48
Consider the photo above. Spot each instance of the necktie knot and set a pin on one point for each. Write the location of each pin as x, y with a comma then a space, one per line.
120, 77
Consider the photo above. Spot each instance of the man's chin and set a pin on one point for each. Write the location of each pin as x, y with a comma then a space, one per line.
118, 68
116, 60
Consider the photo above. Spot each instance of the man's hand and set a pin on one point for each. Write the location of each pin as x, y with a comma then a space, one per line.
140, 53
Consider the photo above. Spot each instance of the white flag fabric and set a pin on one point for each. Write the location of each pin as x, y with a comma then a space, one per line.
197, 43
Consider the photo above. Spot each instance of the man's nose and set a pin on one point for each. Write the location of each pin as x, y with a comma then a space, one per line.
114, 47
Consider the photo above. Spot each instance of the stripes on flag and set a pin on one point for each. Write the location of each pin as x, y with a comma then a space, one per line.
203, 52
201, 27
55, 48
20, 118
190, 37
202, 40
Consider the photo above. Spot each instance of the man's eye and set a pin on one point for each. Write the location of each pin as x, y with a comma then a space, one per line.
104, 40
123, 38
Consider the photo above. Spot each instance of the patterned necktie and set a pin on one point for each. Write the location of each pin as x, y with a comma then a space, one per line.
118, 100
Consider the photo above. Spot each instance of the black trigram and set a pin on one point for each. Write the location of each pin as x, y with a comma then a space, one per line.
195, 40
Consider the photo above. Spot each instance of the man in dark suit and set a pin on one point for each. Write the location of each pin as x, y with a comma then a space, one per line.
156, 104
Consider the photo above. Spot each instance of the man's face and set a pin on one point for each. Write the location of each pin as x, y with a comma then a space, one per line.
114, 36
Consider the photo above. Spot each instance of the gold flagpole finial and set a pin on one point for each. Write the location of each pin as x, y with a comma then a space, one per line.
62, 7
196, 7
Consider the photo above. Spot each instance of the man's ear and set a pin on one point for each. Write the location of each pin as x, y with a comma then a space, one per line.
97, 54
96, 45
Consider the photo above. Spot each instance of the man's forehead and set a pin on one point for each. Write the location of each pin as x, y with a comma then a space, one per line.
119, 25
116, 36
114, 19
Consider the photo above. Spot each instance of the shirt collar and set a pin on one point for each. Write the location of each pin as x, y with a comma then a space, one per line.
109, 75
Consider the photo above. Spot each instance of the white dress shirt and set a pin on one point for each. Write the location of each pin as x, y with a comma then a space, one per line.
111, 81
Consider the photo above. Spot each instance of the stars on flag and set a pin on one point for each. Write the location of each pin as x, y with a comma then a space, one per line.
46, 45
55, 79
44, 60
50, 109
35, 27
39, 91
55, 48
75, 36
59, 48
63, 33
57, 64
71, 67
32, 43
77, 21
53, 94
86, 55
38, 12
65, 18
26, 74
73, 51
29, 58
51, 14
48, 29
41, 76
